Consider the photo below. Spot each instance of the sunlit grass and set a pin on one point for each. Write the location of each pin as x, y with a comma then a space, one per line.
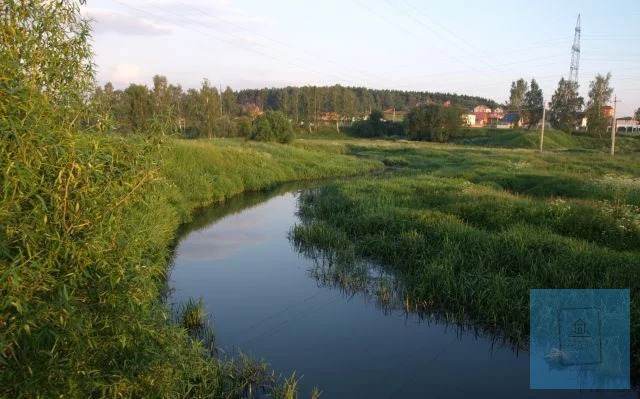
471, 230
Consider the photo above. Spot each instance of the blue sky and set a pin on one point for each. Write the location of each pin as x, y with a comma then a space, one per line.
450, 46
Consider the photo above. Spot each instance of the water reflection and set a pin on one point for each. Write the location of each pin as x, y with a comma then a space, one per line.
343, 324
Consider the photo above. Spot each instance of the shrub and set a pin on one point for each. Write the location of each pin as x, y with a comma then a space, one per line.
244, 124
375, 126
272, 126
225, 127
433, 122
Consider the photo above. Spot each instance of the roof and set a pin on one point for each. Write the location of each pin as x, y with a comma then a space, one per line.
511, 118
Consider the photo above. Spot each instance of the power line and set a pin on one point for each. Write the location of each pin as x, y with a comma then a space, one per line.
477, 49
342, 78
411, 33
207, 15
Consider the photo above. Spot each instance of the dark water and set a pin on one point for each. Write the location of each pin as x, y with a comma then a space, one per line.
267, 300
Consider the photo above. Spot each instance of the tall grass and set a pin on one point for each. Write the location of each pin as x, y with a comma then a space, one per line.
472, 230
86, 234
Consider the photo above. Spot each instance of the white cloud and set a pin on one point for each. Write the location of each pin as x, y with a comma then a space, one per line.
124, 73
106, 20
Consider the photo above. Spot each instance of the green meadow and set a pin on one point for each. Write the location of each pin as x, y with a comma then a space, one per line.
470, 229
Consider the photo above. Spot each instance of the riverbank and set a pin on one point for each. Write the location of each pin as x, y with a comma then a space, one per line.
87, 318
471, 230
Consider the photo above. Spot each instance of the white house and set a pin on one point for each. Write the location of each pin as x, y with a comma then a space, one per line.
469, 119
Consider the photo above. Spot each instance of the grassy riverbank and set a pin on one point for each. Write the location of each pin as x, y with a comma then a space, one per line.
471, 230
88, 229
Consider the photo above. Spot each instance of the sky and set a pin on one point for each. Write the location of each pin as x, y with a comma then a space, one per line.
455, 46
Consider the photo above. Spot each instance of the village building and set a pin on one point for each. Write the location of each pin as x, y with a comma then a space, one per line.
469, 119
482, 118
251, 109
510, 121
481, 109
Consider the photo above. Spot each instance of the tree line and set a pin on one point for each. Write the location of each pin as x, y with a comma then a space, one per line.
567, 107
166, 108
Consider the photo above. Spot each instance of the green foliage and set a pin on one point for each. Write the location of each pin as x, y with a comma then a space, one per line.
193, 315
533, 104
636, 114
272, 126
517, 95
472, 230
433, 122
376, 126
244, 125
565, 105
599, 95
87, 222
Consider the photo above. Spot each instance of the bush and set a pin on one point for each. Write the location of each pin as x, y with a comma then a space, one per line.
433, 122
272, 126
244, 124
225, 127
375, 126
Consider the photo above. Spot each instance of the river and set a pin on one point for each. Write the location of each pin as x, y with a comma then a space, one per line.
266, 299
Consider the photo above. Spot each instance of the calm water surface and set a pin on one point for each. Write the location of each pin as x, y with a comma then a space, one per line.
262, 297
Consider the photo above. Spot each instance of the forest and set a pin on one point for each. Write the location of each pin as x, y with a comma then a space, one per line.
167, 108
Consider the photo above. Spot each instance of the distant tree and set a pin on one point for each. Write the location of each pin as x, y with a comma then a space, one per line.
229, 102
375, 126
209, 108
599, 95
517, 95
533, 104
162, 119
244, 124
272, 126
137, 108
225, 127
375, 122
637, 114
348, 104
433, 122
565, 105
102, 105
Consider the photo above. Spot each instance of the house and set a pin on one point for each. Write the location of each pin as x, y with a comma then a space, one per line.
579, 326
392, 114
469, 119
427, 101
447, 103
481, 109
499, 111
510, 121
607, 110
482, 118
329, 117
628, 127
251, 109
494, 118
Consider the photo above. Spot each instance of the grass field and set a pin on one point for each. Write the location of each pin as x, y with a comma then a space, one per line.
471, 229
84, 275
468, 228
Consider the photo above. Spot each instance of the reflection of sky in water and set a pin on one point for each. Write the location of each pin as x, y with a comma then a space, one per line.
258, 293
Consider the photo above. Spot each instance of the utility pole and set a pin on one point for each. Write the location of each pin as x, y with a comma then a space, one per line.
544, 109
614, 127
